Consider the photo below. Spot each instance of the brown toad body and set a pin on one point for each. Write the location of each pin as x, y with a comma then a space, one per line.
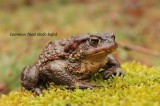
72, 62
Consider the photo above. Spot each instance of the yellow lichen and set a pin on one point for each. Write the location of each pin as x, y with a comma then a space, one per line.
140, 86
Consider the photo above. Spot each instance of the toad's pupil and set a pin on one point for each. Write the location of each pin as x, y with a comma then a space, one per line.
95, 41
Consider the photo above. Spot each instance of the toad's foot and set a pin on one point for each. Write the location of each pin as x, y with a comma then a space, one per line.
38, 91
84, 85
113, 72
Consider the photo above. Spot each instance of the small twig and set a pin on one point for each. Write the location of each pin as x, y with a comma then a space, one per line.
139, 49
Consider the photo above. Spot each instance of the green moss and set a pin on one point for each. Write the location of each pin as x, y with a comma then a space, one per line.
140, 87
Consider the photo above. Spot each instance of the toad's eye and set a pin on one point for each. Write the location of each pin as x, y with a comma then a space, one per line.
94, 40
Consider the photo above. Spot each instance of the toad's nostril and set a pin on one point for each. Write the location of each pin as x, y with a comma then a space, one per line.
113, 36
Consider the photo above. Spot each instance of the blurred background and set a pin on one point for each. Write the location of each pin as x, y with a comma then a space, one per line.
136, 24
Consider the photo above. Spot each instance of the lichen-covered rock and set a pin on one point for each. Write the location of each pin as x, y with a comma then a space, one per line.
140, 86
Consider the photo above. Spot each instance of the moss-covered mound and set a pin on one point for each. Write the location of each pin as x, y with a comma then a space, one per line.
140, 86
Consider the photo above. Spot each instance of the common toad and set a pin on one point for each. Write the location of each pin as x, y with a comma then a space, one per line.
72, 62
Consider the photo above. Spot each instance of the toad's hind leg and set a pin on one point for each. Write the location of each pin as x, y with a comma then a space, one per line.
56, 71
30, 79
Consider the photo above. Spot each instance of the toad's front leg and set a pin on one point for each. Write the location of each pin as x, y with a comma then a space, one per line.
112, 67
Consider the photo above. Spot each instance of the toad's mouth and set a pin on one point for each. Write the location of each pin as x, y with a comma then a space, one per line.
102, 50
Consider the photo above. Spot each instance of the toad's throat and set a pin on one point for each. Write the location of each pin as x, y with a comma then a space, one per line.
98, 55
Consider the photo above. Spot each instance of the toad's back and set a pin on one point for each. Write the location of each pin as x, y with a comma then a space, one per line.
53, 51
